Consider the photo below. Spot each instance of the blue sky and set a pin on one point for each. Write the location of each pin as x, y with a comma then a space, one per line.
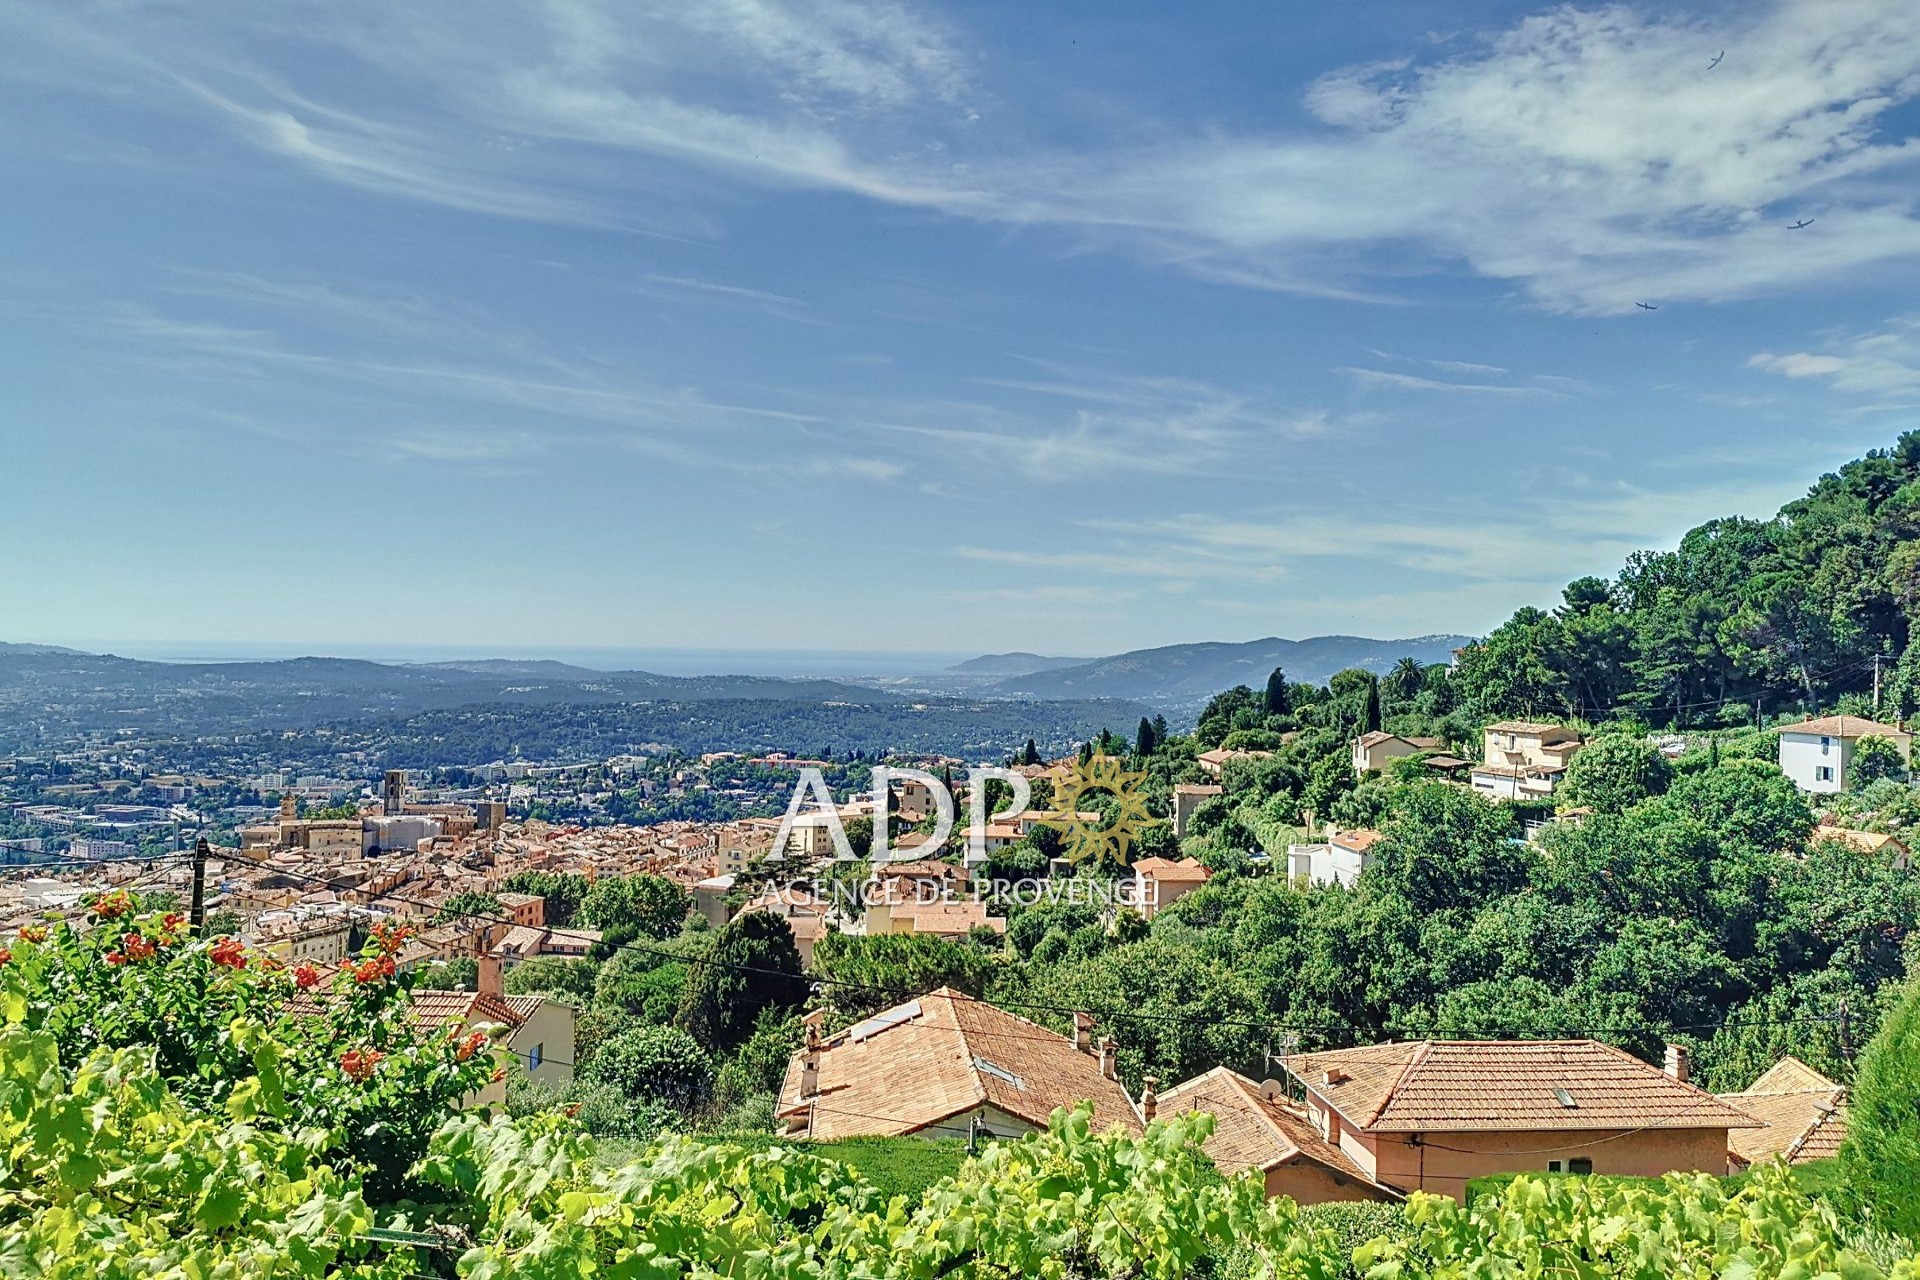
1066, 327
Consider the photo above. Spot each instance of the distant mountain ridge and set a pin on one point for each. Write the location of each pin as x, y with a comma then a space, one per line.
50, 694
1188, 674
1010, 664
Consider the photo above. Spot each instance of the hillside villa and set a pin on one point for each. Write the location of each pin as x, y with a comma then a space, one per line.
1818, 753
1158, 883
1523, 760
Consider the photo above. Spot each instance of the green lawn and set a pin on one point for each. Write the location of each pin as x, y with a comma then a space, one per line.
896, 1166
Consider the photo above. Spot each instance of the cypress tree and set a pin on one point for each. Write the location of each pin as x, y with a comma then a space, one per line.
1278, 704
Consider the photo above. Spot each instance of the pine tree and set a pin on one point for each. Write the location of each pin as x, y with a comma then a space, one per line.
1278, 703
1143, 743
1160, 733
1032, 753
1086, 752
1370, 718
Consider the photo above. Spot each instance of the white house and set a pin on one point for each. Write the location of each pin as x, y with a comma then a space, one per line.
1338, 860
1817, 754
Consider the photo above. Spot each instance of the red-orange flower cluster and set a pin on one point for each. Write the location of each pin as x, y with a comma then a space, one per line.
33, 933
228, 953
373, 970
6, 956
390, 937
305, 976
113, 905
470, 1046
359, 1063
136, 947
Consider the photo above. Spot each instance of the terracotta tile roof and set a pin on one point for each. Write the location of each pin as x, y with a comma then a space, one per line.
1374, 738
1805, 1115
1253, 1130
1845, 727
429, 1011
918, 1064
1169, 870
1865, 841
1359, 840
1433, 1086
1532, 728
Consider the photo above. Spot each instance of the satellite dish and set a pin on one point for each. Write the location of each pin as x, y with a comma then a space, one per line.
1273, 1091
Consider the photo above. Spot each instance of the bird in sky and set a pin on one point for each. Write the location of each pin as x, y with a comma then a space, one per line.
1804, 222
1646, 306
1716, 61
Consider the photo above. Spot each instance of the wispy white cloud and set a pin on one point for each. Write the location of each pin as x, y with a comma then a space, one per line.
1883, 363
1413, 382
1586, 155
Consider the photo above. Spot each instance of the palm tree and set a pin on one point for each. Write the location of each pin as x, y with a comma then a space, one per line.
1404, 681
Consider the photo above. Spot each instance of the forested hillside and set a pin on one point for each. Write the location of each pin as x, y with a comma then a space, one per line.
1743, 619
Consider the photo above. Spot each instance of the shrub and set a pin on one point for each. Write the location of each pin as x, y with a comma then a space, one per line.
657, 1064
1881, 1158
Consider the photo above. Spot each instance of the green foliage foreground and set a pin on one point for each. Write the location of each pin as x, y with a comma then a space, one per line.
213, 1143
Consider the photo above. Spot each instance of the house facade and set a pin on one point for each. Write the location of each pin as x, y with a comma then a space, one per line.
1373, 752
1818, 754
1431, 1115
1339, 859
1523, 759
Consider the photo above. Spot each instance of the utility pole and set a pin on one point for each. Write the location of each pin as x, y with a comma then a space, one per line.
197, 910
1876, 686
1846, 1037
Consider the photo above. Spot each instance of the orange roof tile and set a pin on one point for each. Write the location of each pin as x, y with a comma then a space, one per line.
915, 1065
1168, 869
1804, 1112
1433, 1086
1253, 1130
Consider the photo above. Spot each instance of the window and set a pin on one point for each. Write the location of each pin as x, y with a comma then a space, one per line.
1556, 1166
535, 1056
1823, 773
1580, 1166
1826, 745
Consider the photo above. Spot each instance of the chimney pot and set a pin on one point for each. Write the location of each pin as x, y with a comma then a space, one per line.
1083, 1032
1149, 1100
1107, 1052
810, 1072
492, 976
1679, 1062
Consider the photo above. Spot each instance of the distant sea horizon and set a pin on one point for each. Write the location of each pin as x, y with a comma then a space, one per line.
664, 661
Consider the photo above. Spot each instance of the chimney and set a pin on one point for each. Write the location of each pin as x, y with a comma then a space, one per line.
1107, 1051
492, 976
289, 807
812, 1023
810, 1072
1083, 1032
1149, 1100
1679, 1062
